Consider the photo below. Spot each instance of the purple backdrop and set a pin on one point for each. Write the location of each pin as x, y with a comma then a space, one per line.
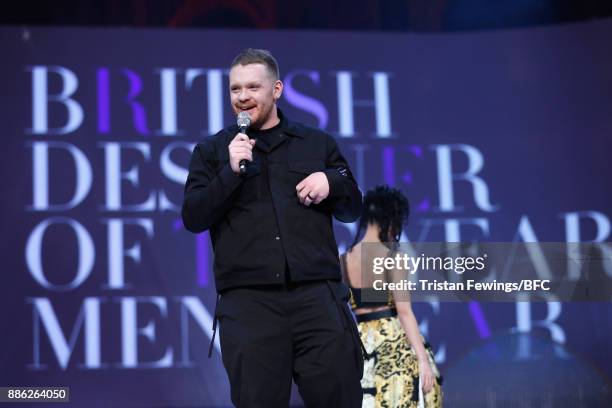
493, 136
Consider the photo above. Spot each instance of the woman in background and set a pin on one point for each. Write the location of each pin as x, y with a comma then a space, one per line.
397, 356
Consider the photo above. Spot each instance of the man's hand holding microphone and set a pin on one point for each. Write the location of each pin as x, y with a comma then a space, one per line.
240, 151
241, 147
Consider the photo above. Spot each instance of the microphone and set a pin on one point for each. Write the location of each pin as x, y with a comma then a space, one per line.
243, 122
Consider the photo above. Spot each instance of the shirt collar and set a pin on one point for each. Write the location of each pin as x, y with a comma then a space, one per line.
290, 127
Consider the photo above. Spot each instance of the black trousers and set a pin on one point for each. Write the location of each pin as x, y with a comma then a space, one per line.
304, 332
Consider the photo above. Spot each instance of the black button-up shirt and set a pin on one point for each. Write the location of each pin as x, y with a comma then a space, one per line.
257, 224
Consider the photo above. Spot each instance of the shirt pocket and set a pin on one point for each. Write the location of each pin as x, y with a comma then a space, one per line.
299, 170
306, 168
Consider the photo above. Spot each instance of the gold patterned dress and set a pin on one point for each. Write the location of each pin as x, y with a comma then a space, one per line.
391, 371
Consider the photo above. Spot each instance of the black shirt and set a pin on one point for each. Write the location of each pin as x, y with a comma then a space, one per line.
269, 137
257, 224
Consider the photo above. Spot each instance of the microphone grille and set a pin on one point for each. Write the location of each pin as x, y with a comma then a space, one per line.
244, 120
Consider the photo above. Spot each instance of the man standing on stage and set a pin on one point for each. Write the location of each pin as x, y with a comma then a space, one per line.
282, 308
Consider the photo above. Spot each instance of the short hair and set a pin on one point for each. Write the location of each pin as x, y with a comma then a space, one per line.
389, 208
257, 56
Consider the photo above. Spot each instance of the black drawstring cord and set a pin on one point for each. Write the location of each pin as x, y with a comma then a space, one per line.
214, 327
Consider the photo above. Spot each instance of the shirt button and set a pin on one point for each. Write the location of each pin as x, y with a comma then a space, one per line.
277, 238
278, 275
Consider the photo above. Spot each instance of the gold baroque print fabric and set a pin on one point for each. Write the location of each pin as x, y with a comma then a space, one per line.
391, 372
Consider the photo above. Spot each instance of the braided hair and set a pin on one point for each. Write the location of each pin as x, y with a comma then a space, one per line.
388, 208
